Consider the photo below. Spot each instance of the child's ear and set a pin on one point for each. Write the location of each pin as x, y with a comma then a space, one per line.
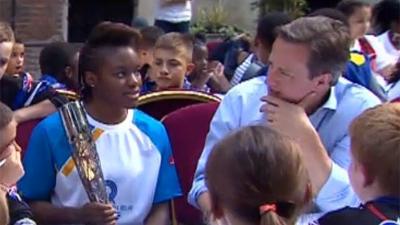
368, 178
189, 68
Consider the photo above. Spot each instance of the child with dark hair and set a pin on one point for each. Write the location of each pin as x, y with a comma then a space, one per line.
133, 148
386, 22
16, 63
11, 171
358, 15
358, 69
56, 62
206, 76
148, 41
374, 170
256, 64
267, 182
16, 92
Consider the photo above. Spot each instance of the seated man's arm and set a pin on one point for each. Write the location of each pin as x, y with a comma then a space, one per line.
225, 120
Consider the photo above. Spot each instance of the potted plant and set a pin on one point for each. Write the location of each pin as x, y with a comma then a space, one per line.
295, 8
212, 22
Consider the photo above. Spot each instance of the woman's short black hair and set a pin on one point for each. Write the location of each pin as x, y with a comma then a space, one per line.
104, 35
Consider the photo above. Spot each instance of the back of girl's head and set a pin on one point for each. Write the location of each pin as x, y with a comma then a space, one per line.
106, 35
384, 14
6, 33
266, 27
348, 7
256, 167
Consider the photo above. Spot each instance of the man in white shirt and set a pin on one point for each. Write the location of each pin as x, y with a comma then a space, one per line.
303, 97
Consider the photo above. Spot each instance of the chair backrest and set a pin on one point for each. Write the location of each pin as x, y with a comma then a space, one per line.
159, 104
187, 129
24, 131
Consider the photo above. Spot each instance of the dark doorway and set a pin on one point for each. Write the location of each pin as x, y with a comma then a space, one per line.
85, 14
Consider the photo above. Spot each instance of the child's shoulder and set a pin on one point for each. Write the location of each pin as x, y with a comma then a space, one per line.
373, 213
146, 123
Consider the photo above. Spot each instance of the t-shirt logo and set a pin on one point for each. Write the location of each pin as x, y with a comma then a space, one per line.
390, 222
112, 190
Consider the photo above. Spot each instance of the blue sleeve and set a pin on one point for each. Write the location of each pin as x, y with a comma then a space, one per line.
167, 182
40, 175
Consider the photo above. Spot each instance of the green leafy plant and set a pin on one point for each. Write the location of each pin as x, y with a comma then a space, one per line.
295, 8
213, 20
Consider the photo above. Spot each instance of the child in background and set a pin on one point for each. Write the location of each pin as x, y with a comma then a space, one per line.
11, 171
206, 76
150, 34
16, 63
266, 183
358, 14
374, 171
386, 21
10, 86
172, 61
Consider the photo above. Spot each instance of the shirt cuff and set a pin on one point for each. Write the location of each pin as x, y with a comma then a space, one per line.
336, 192
199, 187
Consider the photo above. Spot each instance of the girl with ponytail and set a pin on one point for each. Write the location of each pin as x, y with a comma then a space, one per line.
257, 176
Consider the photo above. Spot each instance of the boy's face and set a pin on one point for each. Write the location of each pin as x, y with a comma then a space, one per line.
200, 59
10, 157
5, 53
170, 68
16, 62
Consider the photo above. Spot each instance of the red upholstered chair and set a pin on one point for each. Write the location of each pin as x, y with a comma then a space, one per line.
24, 131
159, 104
187, 129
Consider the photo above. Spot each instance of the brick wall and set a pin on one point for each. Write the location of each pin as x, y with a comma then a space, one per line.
5, 10
37, 23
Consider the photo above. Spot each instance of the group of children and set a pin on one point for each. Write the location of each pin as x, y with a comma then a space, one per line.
266, 183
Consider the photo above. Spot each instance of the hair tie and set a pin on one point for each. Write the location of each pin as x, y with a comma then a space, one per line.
266, 208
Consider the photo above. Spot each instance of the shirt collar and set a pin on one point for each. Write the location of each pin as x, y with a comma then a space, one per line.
331, 103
